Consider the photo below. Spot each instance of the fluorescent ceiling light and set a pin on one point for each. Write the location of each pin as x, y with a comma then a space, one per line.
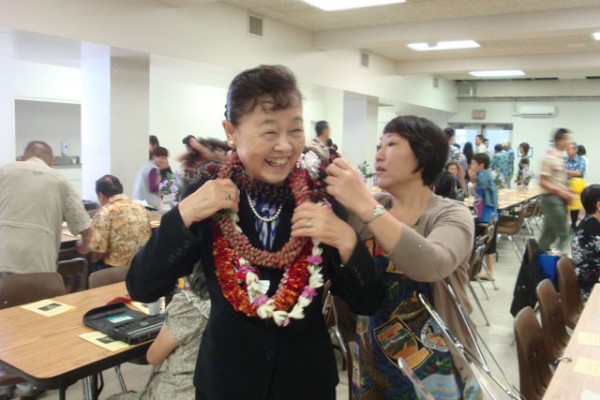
597, 35
449, 45
499, 73
334, 5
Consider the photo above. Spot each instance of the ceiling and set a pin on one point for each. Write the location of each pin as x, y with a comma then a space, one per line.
544, 38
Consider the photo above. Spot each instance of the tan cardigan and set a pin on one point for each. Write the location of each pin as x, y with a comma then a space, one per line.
438, 252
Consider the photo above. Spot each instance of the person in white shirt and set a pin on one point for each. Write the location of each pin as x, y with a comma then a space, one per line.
480, 146
35, 200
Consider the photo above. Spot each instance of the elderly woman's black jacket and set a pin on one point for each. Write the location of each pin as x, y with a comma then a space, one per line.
248, 358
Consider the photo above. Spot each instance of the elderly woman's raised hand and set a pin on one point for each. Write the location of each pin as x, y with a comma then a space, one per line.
214, 195
346, 185
320, 222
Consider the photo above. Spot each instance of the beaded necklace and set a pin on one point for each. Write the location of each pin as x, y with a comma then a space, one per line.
274, 217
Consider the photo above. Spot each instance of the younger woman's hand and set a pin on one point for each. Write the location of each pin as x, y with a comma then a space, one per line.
214, 195
346, 185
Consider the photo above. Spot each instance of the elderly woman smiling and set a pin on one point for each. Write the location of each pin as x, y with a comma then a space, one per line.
267, 236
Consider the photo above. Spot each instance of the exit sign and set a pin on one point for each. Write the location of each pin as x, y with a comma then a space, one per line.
478, 114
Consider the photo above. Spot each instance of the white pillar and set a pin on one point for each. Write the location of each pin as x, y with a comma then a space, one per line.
7, 99
95, 116
130, 115
114, 115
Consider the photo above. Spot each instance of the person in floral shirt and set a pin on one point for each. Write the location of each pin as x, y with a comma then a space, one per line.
499, 163
118, 229
585, 246
523, 175
510, 155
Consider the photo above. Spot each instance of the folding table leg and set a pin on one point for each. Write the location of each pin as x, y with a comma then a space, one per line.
90, 383
62, 393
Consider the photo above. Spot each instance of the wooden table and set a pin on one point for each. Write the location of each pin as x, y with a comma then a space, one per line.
566, 383
47, 351
508, 198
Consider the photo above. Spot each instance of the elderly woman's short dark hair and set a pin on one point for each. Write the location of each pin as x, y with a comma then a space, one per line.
427, 141
248, 89
590, 197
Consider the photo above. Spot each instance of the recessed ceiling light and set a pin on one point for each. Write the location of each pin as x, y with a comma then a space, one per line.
597, 35
498, 73
334, 5
449, 45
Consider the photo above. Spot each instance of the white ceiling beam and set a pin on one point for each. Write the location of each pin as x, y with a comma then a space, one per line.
538, 62
490, 27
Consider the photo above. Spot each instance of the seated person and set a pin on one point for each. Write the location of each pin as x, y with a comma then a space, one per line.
585, 246
119, 228
454, 170
177, 345
445, 185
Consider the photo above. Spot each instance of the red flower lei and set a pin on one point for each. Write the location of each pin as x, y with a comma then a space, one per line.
291, 286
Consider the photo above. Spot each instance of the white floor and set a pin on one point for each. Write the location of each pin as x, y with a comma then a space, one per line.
498, 336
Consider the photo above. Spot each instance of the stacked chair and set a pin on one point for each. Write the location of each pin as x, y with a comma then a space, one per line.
553, 322
571, 303
534, 361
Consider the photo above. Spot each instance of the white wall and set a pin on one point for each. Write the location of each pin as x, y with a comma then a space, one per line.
48, 121
581, 116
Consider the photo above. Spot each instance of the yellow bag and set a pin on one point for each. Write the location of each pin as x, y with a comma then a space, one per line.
576, 185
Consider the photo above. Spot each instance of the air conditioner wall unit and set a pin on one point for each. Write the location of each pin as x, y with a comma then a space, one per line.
536, 110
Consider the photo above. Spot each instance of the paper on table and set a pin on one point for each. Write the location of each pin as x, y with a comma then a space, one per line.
589, 339
48, 308
103, 340
143, 307
587, 366
589, 395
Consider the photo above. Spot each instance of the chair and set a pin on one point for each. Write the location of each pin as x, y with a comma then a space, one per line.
74, 273
531, 211
511, 228
107, 276
553, 322
18, 289
475, 264
572, 306
534, 368
331, 323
